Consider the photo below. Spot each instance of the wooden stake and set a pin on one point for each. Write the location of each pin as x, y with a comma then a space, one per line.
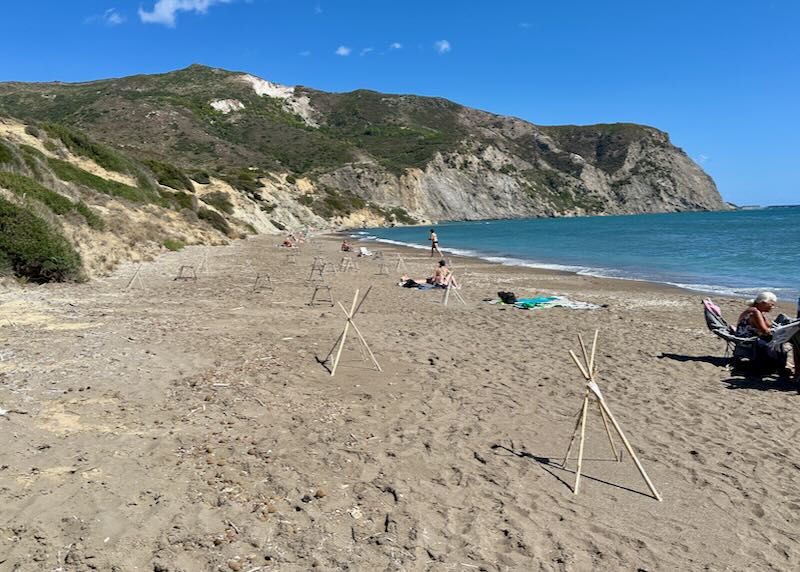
360, 337
630, 450
344, 336
608, 432
579, 364
134, 278
591, 360
580, 446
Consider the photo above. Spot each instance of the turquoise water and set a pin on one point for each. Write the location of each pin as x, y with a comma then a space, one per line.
733, 253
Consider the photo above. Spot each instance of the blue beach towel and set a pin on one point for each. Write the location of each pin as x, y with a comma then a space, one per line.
527, 303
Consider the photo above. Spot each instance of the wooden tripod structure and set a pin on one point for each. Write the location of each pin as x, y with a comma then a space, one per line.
401, 264
135, 279
452, 286
203, 266
354, 308
593, 390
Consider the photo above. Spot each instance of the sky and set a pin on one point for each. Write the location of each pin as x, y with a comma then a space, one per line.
721, 77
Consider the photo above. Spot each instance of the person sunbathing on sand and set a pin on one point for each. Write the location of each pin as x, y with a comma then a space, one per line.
754, 322
441, 276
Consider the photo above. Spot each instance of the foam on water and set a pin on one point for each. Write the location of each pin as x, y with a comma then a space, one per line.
725, 253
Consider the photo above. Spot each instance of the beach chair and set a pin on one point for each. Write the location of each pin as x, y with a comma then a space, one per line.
736, 347
740, 349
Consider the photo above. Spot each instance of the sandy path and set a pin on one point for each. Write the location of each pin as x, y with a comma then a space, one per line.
188, 427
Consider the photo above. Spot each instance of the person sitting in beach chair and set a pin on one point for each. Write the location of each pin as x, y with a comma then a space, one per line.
750, 341
754, 322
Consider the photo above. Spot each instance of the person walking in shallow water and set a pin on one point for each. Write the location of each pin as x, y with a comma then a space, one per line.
434, 243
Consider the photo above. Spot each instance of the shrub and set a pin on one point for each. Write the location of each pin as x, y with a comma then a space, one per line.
201, 177
169, 175
81, 145
7, 155
34, 250
219, 201
69, 172
59, 204
214, 219
291, 179
173, 245
179, 200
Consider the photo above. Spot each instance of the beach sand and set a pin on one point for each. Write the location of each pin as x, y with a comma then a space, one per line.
188, 426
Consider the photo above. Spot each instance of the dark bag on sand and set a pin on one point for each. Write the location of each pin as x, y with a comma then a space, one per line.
410, 284
507, 297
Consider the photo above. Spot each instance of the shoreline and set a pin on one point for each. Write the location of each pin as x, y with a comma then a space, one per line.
787, 305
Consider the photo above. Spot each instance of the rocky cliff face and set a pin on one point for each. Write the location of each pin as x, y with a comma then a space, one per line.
372, 156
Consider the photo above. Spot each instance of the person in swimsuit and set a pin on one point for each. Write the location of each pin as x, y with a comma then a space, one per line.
441, 276
434, 243
754, 322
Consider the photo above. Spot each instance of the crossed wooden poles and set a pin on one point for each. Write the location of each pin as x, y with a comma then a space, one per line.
593, 390
354, 308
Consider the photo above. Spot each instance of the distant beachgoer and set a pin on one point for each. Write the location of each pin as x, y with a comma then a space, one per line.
434, 243
754, 322
440, 278
287, 243
346, 246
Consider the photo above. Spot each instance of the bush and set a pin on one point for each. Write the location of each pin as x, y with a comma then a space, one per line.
34, 250
59, 204
219, 201
201, 177
173, 245
179, 200
214, 219
169, 175
7, 155
69, 172
81, 145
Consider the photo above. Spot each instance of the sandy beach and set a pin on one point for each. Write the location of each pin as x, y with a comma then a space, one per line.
187, 426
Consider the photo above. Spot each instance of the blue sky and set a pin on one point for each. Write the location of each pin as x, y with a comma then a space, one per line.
722, 77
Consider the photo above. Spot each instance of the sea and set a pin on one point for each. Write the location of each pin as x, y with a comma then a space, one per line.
734, 253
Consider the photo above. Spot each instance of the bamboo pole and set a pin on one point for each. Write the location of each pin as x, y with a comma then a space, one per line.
591, 360
572, 439
608, 432
343, 338
579, 364
630, 450
361, 337
580, 446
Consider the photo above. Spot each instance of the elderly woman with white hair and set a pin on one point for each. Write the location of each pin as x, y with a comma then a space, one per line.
754, 322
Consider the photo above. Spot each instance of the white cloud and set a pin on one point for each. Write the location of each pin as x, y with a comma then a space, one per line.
395, 46
317, 9
113, 18
110, 18
305, 53
343, 51
702, 159
442, 46
164, 11
365, 51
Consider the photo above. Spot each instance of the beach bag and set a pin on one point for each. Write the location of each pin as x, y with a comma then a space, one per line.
507, 297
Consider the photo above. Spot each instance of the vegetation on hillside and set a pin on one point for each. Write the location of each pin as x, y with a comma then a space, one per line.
31, 248
29, 189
